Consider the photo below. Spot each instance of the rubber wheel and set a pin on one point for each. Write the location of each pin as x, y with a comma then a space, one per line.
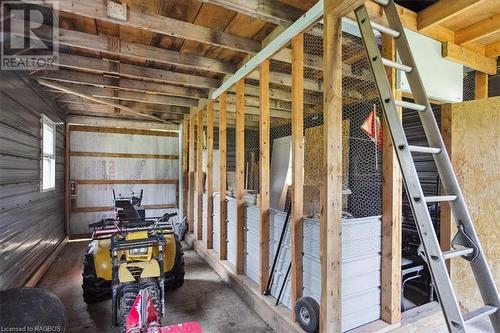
95, 289
175, 277
128, 295
307, 314
154, 292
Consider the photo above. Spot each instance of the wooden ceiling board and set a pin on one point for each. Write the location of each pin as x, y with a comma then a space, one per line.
474, 14
78, 23
305, 5
108, 28
209, 16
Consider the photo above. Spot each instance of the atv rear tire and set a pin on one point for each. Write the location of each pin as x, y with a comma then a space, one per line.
95, 289
175, 278
128, 295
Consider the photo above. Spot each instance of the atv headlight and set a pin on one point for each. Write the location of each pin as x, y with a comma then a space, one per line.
138, 251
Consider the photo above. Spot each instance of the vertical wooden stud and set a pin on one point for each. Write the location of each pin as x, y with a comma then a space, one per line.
331, 198
210, 172
240, 175
199, 173
264, 147
296, 244
185, 173
391, 208
445, 215
222, 177
481, 85
191, 173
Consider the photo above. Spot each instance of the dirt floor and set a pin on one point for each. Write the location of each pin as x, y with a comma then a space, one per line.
204, 298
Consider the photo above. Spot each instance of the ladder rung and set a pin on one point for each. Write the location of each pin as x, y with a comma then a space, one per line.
385, 30
427, 150
408, 105
396, 65
479, 313
441, 198
457, 252
382, 2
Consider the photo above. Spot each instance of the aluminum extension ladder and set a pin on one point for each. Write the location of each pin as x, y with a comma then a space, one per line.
466, 243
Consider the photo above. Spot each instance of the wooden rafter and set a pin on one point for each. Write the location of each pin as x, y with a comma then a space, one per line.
97, 100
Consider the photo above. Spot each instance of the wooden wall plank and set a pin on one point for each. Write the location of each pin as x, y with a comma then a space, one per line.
265, 163
122, 155
117, 130
481, 85
185, 159
240, 174
391, 208
210, 173
199, 174
222, 176
124, 181
331, 194
191, 173
297, 213
445, 215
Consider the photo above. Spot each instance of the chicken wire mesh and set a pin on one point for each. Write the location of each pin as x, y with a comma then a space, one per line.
469, 84
362, 133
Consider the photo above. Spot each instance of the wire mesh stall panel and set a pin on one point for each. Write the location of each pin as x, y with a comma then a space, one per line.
251, 261
362, 181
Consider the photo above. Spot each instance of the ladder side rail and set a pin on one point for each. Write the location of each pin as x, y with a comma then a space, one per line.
479, 266
424, 225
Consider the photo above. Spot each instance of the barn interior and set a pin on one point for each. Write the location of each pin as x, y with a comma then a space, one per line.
260, 124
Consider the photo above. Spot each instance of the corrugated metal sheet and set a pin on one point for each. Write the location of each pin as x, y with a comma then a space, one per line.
231, 230
360, 266
216, 222
252, 259
204, 218
31, 222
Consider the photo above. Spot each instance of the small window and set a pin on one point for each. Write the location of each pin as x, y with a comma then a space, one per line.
48, 164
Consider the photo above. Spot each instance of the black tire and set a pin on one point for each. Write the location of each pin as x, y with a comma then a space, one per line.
95, 289
175, 278
128, 294
307, 314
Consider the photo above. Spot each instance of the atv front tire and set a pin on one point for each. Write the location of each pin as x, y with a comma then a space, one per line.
128, 295
95, 289
175, 277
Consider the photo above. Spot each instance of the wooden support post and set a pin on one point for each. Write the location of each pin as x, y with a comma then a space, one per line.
265, 163
222, 177
391, 208
67, 189
199, 173
296, 245
331, 198
185, 173
445, 216
240, 175
191, 173
210, 173
481, 88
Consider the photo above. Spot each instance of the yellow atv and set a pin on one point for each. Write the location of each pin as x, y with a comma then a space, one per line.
130, 225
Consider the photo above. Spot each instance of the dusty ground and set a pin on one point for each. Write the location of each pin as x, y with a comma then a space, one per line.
204, 298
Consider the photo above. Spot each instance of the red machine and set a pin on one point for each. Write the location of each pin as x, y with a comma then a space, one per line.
143, 318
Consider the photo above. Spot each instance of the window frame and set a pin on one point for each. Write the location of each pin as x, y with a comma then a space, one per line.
46, 121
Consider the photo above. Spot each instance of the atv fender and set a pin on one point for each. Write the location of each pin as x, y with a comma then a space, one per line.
150, 269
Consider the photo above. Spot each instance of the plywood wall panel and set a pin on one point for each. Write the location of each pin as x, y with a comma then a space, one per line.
475, 133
